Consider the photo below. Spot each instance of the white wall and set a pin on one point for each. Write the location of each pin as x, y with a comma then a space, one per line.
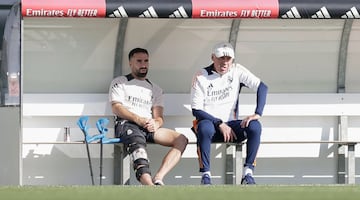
64, 55
10, 154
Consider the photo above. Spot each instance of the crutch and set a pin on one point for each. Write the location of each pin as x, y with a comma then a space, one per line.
82, 123
101, 126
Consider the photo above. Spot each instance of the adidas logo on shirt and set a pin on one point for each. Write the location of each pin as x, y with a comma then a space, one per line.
292, 13
322, 13
179, 13
352, 13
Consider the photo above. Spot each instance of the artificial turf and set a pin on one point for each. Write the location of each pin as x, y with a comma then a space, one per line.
226, 192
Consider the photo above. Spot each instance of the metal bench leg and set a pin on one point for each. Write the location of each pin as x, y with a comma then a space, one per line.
229, 164
341, 170
238, 163
351, 163
121, 165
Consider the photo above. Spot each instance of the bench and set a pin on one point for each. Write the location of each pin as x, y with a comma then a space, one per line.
278, 105
233, 173
341, 105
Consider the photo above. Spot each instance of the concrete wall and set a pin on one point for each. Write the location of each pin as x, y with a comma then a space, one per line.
10, 154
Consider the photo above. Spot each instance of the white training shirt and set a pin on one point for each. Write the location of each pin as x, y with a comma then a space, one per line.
218, 95
138, 96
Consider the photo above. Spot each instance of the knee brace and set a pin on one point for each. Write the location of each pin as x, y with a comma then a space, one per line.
140, 160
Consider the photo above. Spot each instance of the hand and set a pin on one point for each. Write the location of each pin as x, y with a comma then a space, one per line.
141, 121
151, 125
228, 133
245, 122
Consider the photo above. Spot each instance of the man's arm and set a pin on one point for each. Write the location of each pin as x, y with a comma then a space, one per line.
157, 112
261, 98
227, 132
119, 110
200, 115
260, 104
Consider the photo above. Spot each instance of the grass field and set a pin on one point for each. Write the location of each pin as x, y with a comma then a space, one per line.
261, 192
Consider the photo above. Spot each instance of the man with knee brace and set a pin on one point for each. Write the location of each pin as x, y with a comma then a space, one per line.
138, 104
214, 102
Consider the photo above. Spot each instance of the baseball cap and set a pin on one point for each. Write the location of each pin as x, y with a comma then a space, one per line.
223, 49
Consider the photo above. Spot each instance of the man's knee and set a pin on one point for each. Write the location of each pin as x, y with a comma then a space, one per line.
254, 127
205, 127
140, 159
181, 142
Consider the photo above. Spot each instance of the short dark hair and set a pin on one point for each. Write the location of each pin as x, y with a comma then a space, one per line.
137, 50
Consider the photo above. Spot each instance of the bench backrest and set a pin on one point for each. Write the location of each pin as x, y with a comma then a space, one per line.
179, 104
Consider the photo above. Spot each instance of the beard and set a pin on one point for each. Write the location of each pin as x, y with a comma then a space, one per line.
142, 74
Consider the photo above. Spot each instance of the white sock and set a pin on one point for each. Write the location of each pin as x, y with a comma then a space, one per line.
208, 173
247, 170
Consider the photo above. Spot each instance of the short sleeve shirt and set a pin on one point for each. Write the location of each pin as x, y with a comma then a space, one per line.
138, 96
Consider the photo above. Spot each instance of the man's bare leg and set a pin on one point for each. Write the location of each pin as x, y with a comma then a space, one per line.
177, 142
146, 179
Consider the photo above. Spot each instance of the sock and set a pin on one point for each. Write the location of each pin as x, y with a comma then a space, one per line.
247, 170
208, 173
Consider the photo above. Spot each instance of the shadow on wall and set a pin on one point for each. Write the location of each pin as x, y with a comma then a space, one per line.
59, 168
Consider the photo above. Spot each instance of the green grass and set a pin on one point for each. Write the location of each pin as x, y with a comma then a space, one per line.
261, 192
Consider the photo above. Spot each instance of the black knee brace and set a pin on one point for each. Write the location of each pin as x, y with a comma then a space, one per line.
140, 160
141, 166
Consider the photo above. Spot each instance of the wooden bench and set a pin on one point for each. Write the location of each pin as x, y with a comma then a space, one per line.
278, 105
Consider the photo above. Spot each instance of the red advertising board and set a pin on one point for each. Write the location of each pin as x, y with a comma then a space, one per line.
63, 8
235, 9
286, 9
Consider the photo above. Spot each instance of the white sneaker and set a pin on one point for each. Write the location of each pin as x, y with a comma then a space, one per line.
158, 182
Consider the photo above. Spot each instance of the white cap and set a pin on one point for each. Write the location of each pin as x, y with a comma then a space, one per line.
223, 49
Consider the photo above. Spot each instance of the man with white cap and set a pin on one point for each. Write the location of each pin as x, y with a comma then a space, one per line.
214, 102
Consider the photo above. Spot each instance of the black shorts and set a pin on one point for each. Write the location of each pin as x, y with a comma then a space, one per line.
129, 132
